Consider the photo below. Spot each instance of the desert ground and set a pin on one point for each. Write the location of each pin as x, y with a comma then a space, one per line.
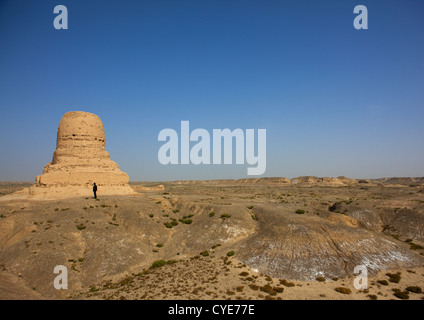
270, 238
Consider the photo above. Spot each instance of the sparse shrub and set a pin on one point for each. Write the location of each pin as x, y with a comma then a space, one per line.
383, 282
216, 245
211, 214
320, 279
278, 289
225, 216
287, 283
174, 222
168, 225
414, 289
158, 202
186, 221
343, 290
240, 289
403, 295
250, 207
175, 211
394, 277
151, 215
268, 289
81, 227
300, 211
56, 209
204, 253
161, 263
230, 253
254, 217
414, 246
159, 245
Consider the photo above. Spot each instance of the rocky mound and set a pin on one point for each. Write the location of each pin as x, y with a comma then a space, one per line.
303, 248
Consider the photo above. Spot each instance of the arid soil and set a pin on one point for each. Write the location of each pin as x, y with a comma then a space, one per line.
247, 239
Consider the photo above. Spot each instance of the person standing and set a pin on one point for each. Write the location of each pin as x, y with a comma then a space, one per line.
95, 190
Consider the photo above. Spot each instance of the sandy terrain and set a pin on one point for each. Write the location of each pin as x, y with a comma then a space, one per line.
252, 239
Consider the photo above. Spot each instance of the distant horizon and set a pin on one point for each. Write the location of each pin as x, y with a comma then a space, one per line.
253, 178
334, 100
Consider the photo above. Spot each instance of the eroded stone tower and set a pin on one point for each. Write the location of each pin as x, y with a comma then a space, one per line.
80, 160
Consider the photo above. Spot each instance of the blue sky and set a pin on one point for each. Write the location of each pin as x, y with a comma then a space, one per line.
334, 100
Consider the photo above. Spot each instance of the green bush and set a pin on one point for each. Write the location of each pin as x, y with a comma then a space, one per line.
211, 214
204, 253
161, 263
186, 221
159, 245
225, 216
230, 253
300, 211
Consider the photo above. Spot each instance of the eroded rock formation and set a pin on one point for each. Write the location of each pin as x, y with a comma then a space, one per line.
80, 160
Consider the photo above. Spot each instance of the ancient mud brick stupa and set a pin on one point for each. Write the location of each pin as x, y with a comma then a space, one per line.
80, 160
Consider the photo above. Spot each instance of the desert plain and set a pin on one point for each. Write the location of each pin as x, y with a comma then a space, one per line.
265, 238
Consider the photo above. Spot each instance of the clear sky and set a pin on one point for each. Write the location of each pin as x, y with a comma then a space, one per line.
334, 100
